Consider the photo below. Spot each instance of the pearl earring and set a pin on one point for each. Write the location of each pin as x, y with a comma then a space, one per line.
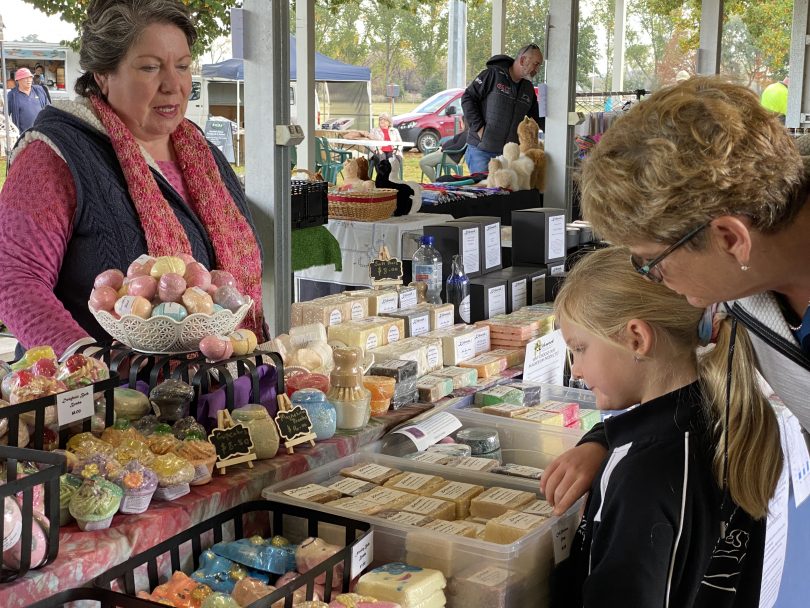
743, 267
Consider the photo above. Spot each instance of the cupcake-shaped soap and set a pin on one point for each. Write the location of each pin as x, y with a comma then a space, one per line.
95, 503
97, 465
132, 449
68, 486
186, 426
162, 440
146, 425
120, 431
174, 476
200, 453
85, 445
139, 484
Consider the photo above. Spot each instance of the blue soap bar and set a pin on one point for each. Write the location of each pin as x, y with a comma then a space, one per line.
258, 553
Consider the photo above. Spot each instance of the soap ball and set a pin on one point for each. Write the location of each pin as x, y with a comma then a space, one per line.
216, 348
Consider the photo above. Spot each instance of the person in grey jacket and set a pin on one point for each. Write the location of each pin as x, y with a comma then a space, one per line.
496, 101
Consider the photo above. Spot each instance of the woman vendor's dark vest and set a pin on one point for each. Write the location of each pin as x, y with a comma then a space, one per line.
106, 230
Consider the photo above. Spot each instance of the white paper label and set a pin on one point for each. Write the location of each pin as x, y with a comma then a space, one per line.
539, 507
539, 289
133, 504
200, 472
90, 526
492, 245
490, 577
172, 492
471, 463
518, 294
444, 319
414, 481
799, 459
556, 270
449, 527
555, 248
502, 496
498, 391
453, 490
74, 405
496, 300
362, 554
306, 492
125, 305
420, 325
387, 303
430, 457
536, 415
393, 334
562, 533
504, 408
350, 486
463, 348
384, 496
357, 311
370, 471
482, 343
545, 359
371, 341
464, 309
407, 298
428, 432
470, 250
432, 356
425, 506
335, 318
402, 517
143, 259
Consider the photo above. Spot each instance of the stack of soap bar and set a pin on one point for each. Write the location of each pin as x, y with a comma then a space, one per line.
532, 391
358, 306
411, 349
442, 316
433, 507
348, 486
511, 526
403, 517
375, 473
313, 492
568, 410
424, 547
416, 320
457, 345
361, 334
483, 342
379, 300
513, 356
357, 505
484, 586
404, 373
415, 483
429, 457
486, 365
540, 417
499, 394
506, 410
496, 501
461, 494
461, 376
518, 470
474, 463
408, 296
387, 497
329, 311
432, 388
409, 586
539, 507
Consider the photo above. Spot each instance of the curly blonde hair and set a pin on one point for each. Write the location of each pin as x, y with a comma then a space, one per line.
691, 152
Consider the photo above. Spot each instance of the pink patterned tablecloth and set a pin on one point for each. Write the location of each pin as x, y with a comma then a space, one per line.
85, 555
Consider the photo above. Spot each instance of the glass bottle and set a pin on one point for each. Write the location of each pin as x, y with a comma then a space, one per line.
458, 290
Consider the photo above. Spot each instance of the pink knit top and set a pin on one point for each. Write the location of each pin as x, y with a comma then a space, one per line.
37, 205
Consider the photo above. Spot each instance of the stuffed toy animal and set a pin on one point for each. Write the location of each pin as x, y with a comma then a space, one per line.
404, 192
522, 167
530, 146
354, 176
500, 177
416, 200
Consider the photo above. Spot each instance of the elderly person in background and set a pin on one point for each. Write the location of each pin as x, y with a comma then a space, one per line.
128, 176
26, 100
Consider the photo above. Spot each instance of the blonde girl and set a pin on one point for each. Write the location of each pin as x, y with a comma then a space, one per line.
676, 515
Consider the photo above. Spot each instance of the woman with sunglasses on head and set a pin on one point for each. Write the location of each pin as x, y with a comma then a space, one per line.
676, 515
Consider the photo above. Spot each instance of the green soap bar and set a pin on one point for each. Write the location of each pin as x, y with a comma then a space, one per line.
432, 388
499, 394
587, 418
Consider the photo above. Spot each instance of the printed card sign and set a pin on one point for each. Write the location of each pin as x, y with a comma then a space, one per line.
545, 359
362, 554
74, 405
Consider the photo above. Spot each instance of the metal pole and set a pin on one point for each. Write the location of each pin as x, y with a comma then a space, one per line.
5, 95
238, 124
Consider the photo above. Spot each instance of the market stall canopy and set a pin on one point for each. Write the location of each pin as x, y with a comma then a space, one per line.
326, 69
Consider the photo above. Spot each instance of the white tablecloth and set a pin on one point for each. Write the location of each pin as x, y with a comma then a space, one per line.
361, 241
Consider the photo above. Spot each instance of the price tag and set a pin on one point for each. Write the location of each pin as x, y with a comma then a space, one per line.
74, 405
562, 534
362, 554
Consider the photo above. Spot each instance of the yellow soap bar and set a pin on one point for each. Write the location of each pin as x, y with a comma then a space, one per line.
358, 306
393, 329
441, 316
434, 507
329, 311
357, 505
410, 349
379, 300
403, 517
540, 417
496, 501
513, 356
313, 493
366, 336
486, 365
375, 473
473, 463
457, 346
511, 526
415, 483
387, 497
460, 493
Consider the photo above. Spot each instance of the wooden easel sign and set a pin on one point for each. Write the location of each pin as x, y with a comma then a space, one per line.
293, 423
232, 441
385, 271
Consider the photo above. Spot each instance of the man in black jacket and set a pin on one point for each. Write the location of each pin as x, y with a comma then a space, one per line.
496, 101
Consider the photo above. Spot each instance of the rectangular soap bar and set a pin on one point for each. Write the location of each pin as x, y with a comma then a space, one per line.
568, 410
457, 346
366, 336
461, 376
387, 583
532, 391
497, 501
454, 450
379, 300
375, 473
408, 296
313, 492
357, 505
499, 394
348, 486
432, 388
518, 470
461, 494
393, 329
485, 586
415, 483
398, 369
539, 507
506, 410
435, 354
587, 418
485, 365
540, 417
410, 349
434, 507
442, 316
403, 517
416, 320
387, 497
483, 339
513, 356
358, 306
473, 463
511, 526
429, 457
326, 311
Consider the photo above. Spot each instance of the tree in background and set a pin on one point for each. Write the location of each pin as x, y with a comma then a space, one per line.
768, 25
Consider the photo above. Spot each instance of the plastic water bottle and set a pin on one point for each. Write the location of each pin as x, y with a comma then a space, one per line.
458, 290
427, 269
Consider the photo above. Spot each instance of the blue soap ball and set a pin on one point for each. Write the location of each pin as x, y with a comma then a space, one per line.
217, 308
173, 310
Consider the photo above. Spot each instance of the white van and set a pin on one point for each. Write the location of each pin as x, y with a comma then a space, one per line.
217, 97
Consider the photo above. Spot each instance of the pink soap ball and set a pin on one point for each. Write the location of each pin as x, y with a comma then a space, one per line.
39, 545
144, 286
171, 287
229, 297
222, 277
140, 267
103, 298
216, 348
197, 275
111, 278
187, 258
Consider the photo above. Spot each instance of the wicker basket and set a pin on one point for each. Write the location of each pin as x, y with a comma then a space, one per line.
362, 206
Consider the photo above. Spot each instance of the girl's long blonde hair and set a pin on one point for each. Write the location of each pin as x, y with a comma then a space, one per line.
603, 293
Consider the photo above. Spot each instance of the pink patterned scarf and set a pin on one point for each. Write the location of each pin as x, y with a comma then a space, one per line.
233, 239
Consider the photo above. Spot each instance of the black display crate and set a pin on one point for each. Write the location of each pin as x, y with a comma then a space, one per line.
308, 203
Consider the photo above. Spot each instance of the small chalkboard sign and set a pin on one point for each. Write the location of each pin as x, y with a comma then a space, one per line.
233, 442
293, 423
385, 270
